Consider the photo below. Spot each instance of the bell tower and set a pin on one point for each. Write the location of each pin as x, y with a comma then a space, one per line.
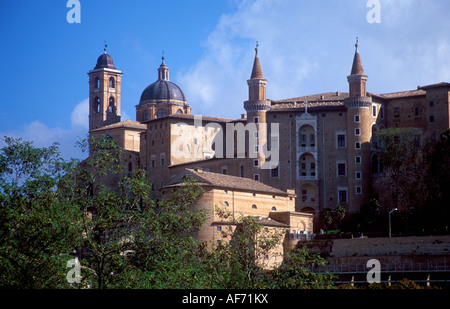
104, 93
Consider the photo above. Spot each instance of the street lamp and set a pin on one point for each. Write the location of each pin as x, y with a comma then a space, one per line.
394, 209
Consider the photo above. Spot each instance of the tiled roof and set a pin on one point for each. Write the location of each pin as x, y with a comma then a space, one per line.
123, 124
191, 117
223, 181
442, 84
403, 94
325, 100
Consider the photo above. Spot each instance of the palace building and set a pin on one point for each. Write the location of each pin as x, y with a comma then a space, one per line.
322, 147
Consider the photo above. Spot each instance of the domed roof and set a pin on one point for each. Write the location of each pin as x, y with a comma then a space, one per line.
163, 90
105, 61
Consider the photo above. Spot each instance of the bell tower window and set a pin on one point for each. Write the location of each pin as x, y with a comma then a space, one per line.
112, 83
111, 105
97, 83
97, 105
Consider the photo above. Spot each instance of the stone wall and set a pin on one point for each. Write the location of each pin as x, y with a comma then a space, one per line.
414, 249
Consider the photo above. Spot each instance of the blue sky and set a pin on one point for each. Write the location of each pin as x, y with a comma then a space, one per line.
305, 47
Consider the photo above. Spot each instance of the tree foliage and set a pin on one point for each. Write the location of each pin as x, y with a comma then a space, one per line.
37, 226
53, 210
417, 172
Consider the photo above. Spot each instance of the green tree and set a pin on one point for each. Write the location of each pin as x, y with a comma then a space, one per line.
167, 254
403, 157
37, 229
435, 213
297, 271
327, 217
340, 215
128, 240
239, 260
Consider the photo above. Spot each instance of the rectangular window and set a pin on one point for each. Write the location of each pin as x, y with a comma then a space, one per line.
256, 119
396, 112
357, 119
358, 175
342, 170
358, 160
275, 172
431, 118
357, 132
312, 140
342, 196
153, 161
256, 177
358, 190
341, 140
357, 145
313, 169
417, 112
303, 140
255, 162
374, 110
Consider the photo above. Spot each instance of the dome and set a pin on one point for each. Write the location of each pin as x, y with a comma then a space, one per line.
163, 90
105, 61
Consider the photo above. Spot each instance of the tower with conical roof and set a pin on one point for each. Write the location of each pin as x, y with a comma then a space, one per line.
104, 93
257, 104
359, 131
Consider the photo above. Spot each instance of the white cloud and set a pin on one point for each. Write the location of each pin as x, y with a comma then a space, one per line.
306, 47
43, 136
80, 115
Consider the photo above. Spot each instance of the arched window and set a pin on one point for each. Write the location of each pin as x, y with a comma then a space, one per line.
97, 105
254, 206
274, 208
145, 115
97, 83
130, 166
111, 105
307, 165
306, 136
179, 111
112, 82
161, 113
225, 204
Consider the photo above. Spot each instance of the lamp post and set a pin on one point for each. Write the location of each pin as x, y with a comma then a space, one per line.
394, 209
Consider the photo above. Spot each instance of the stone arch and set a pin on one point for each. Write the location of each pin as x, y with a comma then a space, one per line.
308, 210
308, 193
307, 165
306, 136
